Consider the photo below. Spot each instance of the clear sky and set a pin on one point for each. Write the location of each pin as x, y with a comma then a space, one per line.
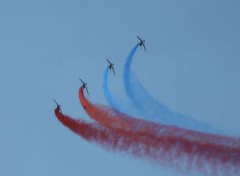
191, 65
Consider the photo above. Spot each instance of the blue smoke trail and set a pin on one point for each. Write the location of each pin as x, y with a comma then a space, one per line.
114, 101
110, 98
152, 109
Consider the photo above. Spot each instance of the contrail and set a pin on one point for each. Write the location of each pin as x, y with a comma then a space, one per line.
126, 107
154, 110
114, 119
110, 98
187, 149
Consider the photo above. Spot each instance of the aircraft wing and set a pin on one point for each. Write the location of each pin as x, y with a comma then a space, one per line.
108, 61
55, 102
139, 38
144, 47
113, 70
81, 80
87, 90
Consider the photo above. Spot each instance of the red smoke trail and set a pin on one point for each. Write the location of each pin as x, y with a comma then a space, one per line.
215, 149
168, 151
111, 118
109, 138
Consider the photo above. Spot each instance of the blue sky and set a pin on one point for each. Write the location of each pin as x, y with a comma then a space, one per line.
191, 65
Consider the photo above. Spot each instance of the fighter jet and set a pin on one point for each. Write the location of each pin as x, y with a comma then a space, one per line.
111, 66
58, 106
142, 43
84, 85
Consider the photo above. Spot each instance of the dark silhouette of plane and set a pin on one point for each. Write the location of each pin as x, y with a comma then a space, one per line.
111, 66
142, 43
84, 85
58, 106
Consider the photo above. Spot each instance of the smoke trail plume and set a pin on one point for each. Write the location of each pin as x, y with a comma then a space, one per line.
177, 153
110, 98
154, 110
114, 102
111, 118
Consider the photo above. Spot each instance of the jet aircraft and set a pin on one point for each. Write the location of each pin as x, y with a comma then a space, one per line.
111, 66
84, 85
58, 106
142, 43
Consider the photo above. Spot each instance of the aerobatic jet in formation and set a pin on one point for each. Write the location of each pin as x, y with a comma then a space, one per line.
111, 66
58, 106
84, 85
142, 43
